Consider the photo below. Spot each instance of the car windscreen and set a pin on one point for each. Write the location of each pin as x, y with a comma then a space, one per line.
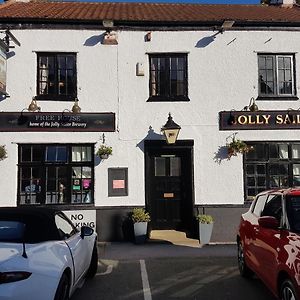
293, 212
11, 231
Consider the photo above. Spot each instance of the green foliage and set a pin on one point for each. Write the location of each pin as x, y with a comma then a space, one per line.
140, 215
3, 152
104, 150
205, 219
237, 146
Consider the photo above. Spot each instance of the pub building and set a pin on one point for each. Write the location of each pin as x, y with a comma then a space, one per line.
167, 87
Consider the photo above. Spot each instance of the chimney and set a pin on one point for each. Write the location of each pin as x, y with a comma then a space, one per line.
284, 3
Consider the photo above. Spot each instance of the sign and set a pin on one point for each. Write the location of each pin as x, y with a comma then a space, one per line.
56, 121
82, 218
261, 120
118, 184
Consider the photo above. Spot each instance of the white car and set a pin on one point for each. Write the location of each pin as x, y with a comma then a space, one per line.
42, 254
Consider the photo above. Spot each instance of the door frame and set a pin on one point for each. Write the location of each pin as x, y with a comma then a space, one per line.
151, 146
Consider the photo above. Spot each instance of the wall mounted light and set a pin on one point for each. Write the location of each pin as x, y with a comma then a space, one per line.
33, 106
252, 105
110, 36
76, 109
171, 130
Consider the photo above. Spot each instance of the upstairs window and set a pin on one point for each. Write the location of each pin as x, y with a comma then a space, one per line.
276, 76
168, 77
56, 76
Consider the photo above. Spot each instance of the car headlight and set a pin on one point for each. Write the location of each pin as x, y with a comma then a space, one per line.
6, 277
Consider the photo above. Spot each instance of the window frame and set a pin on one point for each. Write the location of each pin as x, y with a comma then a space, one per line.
56, 96
269, 161
276, 95
169, 96
40, 174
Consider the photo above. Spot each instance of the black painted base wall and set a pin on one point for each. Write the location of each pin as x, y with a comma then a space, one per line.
113, 224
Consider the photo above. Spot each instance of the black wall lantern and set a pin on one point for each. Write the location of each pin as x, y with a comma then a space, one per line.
171, 130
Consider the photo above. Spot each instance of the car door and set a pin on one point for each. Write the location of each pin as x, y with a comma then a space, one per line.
78, 246
268, 241
250, 225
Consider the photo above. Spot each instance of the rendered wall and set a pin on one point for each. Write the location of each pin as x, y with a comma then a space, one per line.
222, 75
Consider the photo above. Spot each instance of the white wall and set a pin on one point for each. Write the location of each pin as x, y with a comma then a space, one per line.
221, 76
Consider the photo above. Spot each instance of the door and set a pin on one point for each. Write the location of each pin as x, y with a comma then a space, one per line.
169, 187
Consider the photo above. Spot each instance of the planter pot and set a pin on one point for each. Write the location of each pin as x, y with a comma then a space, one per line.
140, 232
205, 231
104, 156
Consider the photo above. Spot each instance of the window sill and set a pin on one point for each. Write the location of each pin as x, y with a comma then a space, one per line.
277, 98
55, 97
168, 99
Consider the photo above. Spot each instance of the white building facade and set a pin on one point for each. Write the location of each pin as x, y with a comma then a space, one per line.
204, 74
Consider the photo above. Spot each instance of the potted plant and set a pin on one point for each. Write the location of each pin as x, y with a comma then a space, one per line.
206, 223
3, 152
237, 146
104, 151
140, 219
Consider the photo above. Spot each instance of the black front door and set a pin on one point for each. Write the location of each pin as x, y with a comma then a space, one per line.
169, 184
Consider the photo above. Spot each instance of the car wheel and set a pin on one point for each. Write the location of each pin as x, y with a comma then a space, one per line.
94, 263
287, 291
62, 292
243, 268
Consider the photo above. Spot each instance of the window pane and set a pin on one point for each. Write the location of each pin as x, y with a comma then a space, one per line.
296, 151
160, 166
175, 166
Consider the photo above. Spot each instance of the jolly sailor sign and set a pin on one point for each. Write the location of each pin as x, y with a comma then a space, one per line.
245, 120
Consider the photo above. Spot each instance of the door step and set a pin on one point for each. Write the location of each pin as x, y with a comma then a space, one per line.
174, 237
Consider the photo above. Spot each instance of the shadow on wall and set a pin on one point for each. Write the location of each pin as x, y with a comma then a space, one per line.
94, 40
221, 154
151, 135
204, 42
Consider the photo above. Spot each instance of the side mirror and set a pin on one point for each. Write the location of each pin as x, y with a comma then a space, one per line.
268, 222
86, 231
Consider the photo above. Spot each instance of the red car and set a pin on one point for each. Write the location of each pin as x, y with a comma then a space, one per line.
268, 242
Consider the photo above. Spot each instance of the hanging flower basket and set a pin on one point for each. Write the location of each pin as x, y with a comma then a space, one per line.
104, 151
237, 146
3, 152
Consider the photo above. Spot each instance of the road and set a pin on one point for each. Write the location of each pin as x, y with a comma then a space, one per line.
170, 277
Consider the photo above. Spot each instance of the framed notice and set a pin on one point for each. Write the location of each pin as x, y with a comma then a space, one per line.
117, 182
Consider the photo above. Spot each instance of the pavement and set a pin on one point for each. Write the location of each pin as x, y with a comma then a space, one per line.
150, 249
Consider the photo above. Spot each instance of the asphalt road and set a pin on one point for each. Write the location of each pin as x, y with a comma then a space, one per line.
162, 277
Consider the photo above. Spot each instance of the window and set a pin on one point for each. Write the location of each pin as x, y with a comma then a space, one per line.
66, 229
271, 165
168, 77
273, 207
167, 166
56, 76
276, 75
259, 204
56, 174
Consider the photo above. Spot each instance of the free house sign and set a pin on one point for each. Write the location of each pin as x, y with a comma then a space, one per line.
53, 121
245, 120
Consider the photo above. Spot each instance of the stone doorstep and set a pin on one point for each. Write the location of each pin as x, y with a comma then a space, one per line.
173, 237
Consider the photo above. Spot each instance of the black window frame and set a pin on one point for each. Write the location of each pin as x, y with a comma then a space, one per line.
165, 92
38, 173
266, 163
276, 95
56, 95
